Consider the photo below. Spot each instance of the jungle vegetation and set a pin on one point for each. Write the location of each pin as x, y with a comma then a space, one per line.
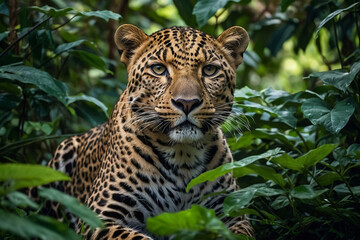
295, 136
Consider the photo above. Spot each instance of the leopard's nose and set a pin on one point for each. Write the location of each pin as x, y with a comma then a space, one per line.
186, 105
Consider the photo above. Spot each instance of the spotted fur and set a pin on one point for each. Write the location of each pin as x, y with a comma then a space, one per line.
163, 132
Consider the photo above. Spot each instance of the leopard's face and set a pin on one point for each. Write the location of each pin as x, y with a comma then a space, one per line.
181, 81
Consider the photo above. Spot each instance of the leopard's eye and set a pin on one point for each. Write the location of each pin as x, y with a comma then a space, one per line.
210, 70
158, 69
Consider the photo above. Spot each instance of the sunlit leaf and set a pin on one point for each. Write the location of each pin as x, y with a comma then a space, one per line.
72, 205
18, 175
246, 93
196, 219
222, 170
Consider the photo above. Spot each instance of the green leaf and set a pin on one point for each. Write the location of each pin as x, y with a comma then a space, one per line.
316, 155
71, 45
280, 202
246, 93
332, 15
285, 4
19, 199
342, 188
338, 78
306, 192
226, 168
28, 141
236, 201
263, 171
288, 162
83, 97
91, 59
41, 79
18, 176
195, 219
205, 9
54, 12
73, 206
185, 9
51, 11
328, 178
333, 120
279, 113
103, 14
36, 226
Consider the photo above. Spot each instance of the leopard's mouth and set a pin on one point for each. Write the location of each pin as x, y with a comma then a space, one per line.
186, 132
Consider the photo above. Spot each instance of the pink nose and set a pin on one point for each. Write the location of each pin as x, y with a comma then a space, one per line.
186, 105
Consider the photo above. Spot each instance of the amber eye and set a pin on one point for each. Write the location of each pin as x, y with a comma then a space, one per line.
158, 69
210, 70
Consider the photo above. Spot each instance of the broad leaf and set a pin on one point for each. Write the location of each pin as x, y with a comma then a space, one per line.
194, 220
54, 12
288, 162
83, 97
246, 93
72, 205
51, 11
91, 59
185, 9
333, 120
338, 78
240, 199
41, 79
316, 155
36, 226
226, 168
71, 45
19, 199
328, 178
332, 15
263, 171
306, 192
103, 14
18, 176
205, 9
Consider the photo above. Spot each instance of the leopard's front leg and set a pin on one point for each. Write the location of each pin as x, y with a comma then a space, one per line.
115, 232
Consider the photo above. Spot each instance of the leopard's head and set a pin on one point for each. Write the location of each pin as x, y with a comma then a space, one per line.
181, 81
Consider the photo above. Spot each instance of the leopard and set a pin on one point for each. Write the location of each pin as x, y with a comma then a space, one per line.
164, 130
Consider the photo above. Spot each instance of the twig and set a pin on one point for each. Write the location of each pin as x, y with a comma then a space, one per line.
337, 44
24, 35
66, 22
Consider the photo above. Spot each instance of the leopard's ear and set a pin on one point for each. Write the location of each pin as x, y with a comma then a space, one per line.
127, 38
234, 42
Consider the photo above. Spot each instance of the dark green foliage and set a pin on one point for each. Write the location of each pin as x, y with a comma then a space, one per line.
297, 164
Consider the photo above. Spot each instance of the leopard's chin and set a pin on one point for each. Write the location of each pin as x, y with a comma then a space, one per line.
186, 133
